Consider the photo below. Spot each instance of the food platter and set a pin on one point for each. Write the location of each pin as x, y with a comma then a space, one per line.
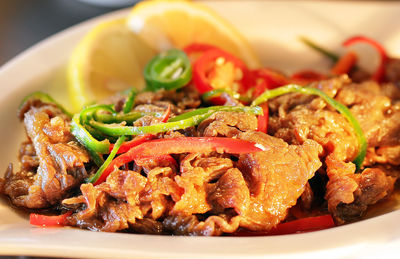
272, 28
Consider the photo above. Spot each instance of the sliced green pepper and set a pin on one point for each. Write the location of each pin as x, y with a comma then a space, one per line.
169, 70
110, 157
87, 113
118, 130
253, 110
332, 56
44, 98
128, 117
183, 121
338, 106
130, 101
94, 146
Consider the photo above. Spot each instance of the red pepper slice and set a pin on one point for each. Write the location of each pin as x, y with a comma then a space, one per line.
379, 72
271, 77
307, 76
303, 225
132, 143
159, 147
344, 64
206, 72
262, 120
296, 226
49, 221
167, 113
259, 89
195, 50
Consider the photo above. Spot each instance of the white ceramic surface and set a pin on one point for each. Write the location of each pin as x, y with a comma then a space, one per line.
272, 28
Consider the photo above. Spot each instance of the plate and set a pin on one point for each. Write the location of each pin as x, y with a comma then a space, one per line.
272, 28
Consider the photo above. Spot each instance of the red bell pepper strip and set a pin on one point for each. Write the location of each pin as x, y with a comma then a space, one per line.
167, 113
272, 78
303, 225
296, 226
379, 72
307, 76
159, 147
344, 64
206, 65
49, 221
198, 47
262, 120
195, 50
133, 143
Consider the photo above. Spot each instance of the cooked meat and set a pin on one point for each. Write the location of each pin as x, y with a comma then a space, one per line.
110, 206
180, 101
52, 162
197, 171
376, 108
207, 184
276, 178
306, 117
349, 194
376, 112
227, 124
191, 225
392, 71
304, 164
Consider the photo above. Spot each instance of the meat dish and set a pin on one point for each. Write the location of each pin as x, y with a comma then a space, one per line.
187, 157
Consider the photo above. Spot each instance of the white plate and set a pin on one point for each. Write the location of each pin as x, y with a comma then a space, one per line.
272, 28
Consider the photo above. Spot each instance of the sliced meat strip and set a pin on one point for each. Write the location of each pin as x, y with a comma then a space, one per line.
191, 225
276, 178
227, 124
197, 171
296, 118
349, 194
110, 206
52, 161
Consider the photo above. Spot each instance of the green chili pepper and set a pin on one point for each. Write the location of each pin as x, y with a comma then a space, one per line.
185, 120
87, 113
253, 110
130, 101
218, 92
44, 98
169, 70
94, 146
128, 117
338, 106
117, 130
108, 160
332, 56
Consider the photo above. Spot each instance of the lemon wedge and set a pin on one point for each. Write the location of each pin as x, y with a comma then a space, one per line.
110, 58
167, 24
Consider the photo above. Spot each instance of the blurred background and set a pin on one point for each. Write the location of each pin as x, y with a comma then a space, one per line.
26, 22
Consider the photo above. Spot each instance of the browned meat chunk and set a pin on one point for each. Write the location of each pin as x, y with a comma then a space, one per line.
227, 124
110, 206
349, 194
298, 117
52, 162
376, 108
276, 178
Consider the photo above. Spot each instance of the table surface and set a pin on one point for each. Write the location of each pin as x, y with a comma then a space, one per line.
25, 22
